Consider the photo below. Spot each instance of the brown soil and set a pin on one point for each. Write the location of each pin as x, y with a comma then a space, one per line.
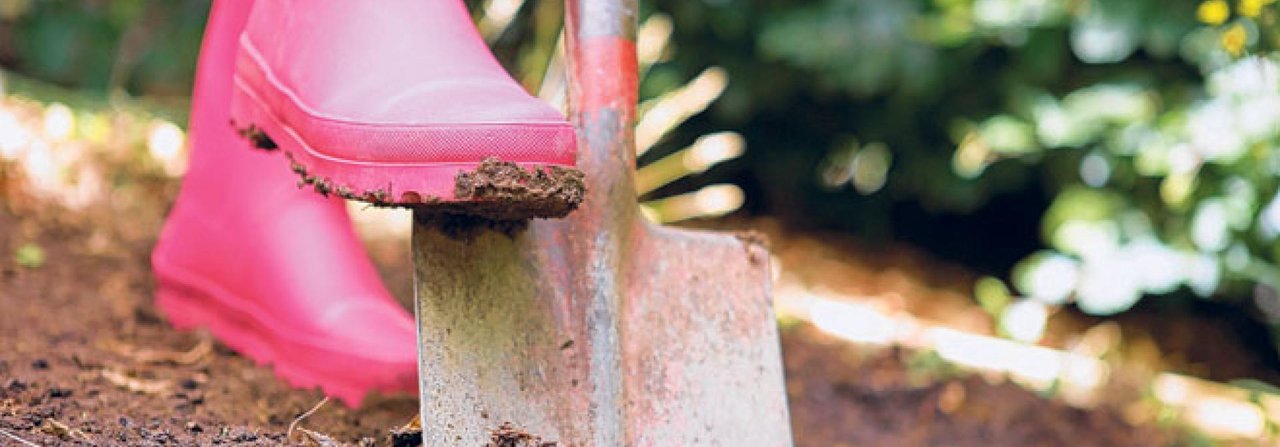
845, 396
84, 349
89, 362
504, 191
501, 196
1223, 346
508, 435
324, 186
85, 359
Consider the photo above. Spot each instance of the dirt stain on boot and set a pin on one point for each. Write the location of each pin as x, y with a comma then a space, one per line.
496, 195
256, 137
503, 190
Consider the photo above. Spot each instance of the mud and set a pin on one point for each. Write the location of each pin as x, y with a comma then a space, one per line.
409, 436
507, 435
495, 191
325, 187
501, 190
257, 137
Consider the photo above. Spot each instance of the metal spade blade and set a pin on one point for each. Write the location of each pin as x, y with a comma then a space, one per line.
599, 329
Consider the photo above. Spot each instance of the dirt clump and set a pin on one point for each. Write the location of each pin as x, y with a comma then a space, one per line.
325, 187
502, 190
495, 191
257, 137
502, 196
507, 435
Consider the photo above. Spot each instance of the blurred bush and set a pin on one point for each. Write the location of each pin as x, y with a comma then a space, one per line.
139, 47
1149, 126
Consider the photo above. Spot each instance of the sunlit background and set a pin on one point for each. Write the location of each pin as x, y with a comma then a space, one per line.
1078, 160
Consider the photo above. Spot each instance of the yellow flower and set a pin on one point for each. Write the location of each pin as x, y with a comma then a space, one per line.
1213, 12
1234, 39
1253, 8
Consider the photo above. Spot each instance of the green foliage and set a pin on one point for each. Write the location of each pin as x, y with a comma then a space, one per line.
136, 46
992, 294
929, 366
29, 256
855, 46
1153, 133
1176, 183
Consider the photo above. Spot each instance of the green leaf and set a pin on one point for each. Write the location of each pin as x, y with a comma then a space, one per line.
29, 255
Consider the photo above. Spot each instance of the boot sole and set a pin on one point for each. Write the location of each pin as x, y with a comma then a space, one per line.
189, 301
490, 188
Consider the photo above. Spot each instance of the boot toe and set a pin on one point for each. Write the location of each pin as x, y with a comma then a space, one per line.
387, 103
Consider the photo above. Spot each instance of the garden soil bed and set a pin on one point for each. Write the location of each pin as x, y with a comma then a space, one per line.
87, 360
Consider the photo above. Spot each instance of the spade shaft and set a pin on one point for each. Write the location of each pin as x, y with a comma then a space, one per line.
599, 329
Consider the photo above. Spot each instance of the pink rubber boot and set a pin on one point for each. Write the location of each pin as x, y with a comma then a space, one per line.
400, 102
274, 272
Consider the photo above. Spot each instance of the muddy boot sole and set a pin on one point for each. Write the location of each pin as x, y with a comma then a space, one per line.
492, 190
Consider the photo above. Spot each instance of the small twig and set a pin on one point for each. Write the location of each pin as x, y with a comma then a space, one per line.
318, 439
199, 352
413, 424
192, 356
136, 385
14, 437
289, 434
57, 428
